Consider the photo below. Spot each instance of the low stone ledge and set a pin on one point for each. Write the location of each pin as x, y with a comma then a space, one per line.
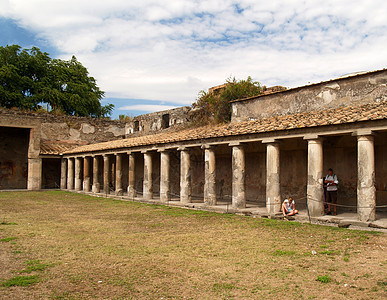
264, 215
344, 222
378, 224
328, 219
277, 216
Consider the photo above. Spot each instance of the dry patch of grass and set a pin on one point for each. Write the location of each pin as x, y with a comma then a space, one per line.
72, 246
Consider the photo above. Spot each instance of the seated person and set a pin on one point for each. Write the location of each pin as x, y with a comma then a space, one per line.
289, 207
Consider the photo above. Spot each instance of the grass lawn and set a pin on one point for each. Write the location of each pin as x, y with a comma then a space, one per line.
59, 245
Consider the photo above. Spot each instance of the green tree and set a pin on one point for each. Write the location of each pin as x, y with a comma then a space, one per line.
215, 106
29, 78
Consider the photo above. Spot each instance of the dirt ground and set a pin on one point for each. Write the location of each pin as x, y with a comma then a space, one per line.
72, 246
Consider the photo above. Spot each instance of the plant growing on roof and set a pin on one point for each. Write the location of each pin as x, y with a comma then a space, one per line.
214, 106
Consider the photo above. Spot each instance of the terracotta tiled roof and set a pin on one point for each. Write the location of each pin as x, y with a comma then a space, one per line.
351, 114
48, 147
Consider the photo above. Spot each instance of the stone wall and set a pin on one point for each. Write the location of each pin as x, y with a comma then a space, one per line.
23, 132
367, 88
157, 121
65, 128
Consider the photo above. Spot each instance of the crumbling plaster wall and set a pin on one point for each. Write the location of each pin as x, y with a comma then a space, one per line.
367, 88
154, 122
66, 128
43, 126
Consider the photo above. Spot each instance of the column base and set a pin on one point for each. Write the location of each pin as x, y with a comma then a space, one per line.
185, 199
315, 200
96, 188
119, 192
366, 202
210, 201
273, 205
148, 196
86, 185
164, 198
131, 192
78, 184
238, 204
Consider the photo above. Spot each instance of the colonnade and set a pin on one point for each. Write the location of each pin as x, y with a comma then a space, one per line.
366, 195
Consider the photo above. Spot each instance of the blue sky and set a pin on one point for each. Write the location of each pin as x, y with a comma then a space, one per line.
150, 55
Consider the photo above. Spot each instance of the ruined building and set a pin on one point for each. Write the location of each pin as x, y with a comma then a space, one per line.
278, 144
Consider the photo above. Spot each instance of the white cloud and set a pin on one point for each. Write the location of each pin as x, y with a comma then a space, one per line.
146, 107
170, 50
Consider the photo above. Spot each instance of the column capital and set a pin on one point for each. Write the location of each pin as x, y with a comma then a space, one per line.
164, 150
315, 141
369, 138
363, 132
183, 148
235, 144
270, 141
208, 147
311, 137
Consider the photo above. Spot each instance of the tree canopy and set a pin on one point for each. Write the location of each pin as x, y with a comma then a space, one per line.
215, 107
30, 79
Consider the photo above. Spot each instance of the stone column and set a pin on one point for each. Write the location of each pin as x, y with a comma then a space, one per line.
148, 183
185, 176
273, 185
34, 180
315, 189
119, 174
209, 176
131, 175
106, 174
70, 174
96, 186
34, 176
86, 174
164, 175
366, 192
238, 176
78, 178
63, 173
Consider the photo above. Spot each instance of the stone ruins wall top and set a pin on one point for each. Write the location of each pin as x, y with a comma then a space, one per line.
358, 89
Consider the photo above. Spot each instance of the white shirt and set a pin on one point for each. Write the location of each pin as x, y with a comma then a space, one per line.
331, 187
289, 205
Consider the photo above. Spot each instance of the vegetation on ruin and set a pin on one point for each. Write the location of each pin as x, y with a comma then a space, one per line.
125, 118
31, 80
215, 106
73, 246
